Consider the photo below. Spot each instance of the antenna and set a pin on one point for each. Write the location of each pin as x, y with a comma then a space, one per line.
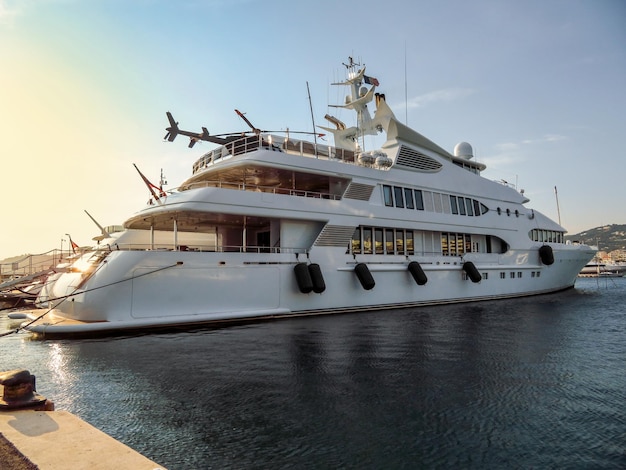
312, 117
406, 92
558, 210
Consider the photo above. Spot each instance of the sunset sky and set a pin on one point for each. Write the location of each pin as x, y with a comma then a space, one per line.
537, 87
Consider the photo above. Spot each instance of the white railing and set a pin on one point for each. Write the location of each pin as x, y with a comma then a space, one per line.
275, 143
202, 248
259, 188
31, 264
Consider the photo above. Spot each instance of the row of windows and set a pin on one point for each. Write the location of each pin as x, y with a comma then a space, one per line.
549, 236
512, 275
383, 240
397, 196
453, 244
380, 241
518, 274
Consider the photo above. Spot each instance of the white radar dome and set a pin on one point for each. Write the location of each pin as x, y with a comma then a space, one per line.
463, 150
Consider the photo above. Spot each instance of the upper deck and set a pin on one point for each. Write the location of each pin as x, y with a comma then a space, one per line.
284, 144
405, 154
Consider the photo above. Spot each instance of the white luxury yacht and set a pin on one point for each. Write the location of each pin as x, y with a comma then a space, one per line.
271, 226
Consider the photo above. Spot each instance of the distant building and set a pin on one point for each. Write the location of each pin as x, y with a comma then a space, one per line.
617, 255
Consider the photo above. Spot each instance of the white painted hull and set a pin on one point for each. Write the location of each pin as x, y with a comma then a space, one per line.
151, 289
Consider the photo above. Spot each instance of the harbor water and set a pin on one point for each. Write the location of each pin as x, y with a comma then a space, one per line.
537, 382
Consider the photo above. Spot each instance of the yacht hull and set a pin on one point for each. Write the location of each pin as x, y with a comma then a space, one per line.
135, 290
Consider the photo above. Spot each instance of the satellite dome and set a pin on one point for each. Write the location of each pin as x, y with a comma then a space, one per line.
463, 150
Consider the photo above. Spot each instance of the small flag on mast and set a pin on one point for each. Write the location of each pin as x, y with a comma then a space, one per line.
371, 80
72, 244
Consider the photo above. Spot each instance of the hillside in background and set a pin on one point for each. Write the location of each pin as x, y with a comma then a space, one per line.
606, 238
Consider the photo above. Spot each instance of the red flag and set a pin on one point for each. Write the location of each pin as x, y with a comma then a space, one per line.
148, 184
72, 244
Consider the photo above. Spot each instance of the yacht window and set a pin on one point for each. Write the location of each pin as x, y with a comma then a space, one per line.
408, 198
459, 244
400, 242
428, 201
444, 244
367, 241
468, 204
455, 209
389, 241
356, 241
419, 200
476, 207
387, 196
378, 241
437, 202
461, 206
445, 201
483, 209
410, 246
468, 243
397, 193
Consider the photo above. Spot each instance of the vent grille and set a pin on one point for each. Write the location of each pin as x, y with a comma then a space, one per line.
335, 235
413, 159
359, 191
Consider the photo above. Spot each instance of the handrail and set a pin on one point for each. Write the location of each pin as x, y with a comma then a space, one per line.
259, 188
204, 248
277, 144
31, 264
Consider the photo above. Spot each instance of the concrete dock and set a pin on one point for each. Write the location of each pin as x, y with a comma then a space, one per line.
58, 440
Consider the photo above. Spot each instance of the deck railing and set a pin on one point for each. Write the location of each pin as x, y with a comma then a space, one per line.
29, 265
275, 143
211, 248
259, 188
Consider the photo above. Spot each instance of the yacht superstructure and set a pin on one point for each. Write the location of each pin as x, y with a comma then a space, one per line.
269, 225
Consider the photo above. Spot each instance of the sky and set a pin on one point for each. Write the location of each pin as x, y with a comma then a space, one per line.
538, 87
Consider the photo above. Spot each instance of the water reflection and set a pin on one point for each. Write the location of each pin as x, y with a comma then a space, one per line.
531, 382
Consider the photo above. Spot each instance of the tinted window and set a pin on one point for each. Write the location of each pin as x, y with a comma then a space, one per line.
408, 198
367, 240
387, 195
397, 194
389, 241
461, 206
476, 207
470, 208
419, 200
410, 246
453, 206
356, 241
378, 235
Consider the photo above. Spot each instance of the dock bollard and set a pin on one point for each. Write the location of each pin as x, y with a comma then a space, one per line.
17, 392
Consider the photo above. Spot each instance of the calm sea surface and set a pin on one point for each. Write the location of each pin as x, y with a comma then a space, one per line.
538, 382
